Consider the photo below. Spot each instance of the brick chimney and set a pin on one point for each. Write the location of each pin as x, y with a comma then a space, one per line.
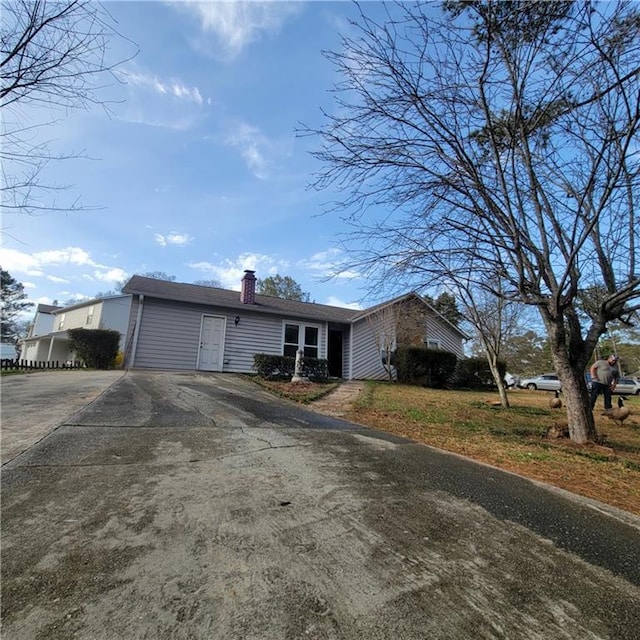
248, 291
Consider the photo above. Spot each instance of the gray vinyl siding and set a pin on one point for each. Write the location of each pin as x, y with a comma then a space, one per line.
448, 339
367, 363
169, 336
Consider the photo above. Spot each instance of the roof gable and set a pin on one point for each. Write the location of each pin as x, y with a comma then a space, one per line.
87, 303
407, 297
47, 308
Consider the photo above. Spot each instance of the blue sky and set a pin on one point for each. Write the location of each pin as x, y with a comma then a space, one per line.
198, 171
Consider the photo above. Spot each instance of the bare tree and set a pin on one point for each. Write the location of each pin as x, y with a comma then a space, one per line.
501, 140
494, 320
54, 55
383, 323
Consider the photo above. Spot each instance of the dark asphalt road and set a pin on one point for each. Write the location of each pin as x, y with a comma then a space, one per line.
419, 529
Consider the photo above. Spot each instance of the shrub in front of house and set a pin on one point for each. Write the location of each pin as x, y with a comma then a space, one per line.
425, 367
474, 373
317, 369
97, 348
272, 367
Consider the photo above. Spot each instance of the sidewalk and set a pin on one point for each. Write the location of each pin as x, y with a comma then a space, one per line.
338, 402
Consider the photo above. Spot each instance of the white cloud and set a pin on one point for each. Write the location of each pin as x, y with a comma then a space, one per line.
336, 302
229, 272
34, 263
42, 264
329, 263
68, 255
157, 102
253, 147
111, 275
235, 25
171, 88
179, 239
258, 150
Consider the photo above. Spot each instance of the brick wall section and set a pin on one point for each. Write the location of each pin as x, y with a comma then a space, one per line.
248, 291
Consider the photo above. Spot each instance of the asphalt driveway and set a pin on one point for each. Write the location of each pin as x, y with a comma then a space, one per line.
198, 506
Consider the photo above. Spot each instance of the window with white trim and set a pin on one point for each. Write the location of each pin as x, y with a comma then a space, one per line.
301, 336
61, 321
89, 319
432, 344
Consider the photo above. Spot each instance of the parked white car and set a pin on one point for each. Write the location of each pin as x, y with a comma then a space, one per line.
510, 380
544, 382
627, 387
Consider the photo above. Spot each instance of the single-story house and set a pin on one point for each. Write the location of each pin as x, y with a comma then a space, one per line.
189, 327
48, 340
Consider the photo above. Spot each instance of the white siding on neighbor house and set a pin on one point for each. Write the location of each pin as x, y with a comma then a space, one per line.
114, 314
34, 351
44, 350
42, 325
75, 319
169, 336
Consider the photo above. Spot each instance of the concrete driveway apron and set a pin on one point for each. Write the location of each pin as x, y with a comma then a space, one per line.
33, 404
197, 506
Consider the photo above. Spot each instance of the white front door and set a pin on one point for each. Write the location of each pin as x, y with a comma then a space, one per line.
211, 343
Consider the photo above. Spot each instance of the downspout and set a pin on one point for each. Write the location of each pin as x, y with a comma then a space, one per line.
350, 352
50, 349
136, 332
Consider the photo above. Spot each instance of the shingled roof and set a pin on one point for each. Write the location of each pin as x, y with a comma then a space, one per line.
212, 296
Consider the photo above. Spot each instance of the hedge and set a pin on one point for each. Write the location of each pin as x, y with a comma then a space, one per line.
97, 348
426, 367
272, 367
474, 373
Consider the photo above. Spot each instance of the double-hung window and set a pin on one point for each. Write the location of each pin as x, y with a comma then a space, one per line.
301, 336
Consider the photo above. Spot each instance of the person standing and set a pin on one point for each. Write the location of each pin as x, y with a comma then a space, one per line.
604, 378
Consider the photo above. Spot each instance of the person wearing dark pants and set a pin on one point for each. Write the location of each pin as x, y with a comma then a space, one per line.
604, 378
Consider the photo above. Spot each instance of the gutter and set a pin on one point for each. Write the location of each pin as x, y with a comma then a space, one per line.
136, 332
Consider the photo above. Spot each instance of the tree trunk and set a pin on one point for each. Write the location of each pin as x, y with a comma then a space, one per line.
502, 391
582, 427
570, 354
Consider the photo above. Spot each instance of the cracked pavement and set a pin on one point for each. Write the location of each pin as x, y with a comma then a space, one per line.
199, 506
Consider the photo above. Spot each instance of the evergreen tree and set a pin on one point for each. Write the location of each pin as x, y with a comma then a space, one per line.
13, 304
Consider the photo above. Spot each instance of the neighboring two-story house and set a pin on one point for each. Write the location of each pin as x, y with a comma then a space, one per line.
48, 340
